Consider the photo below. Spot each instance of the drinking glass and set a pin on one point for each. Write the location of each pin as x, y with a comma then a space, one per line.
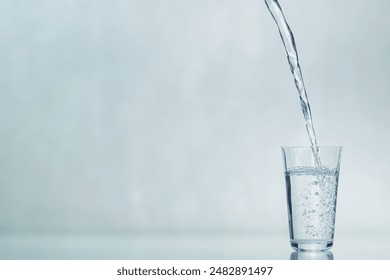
312, 175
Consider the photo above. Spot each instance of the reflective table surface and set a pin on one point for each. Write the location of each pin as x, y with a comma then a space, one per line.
104, 245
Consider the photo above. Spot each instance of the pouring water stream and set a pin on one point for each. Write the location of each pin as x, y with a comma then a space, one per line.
292, 56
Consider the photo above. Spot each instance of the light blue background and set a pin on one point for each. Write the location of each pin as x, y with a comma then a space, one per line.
170, 114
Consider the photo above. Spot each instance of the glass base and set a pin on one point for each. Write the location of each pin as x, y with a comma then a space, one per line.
311, 245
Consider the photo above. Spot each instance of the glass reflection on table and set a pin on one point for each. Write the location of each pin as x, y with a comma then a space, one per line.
305, 255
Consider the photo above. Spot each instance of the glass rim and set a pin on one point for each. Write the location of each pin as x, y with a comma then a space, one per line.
310, 147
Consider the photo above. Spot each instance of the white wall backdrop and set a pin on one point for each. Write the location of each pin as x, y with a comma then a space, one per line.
170, 114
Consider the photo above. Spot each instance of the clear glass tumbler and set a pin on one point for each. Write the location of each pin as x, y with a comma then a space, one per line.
311, 186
